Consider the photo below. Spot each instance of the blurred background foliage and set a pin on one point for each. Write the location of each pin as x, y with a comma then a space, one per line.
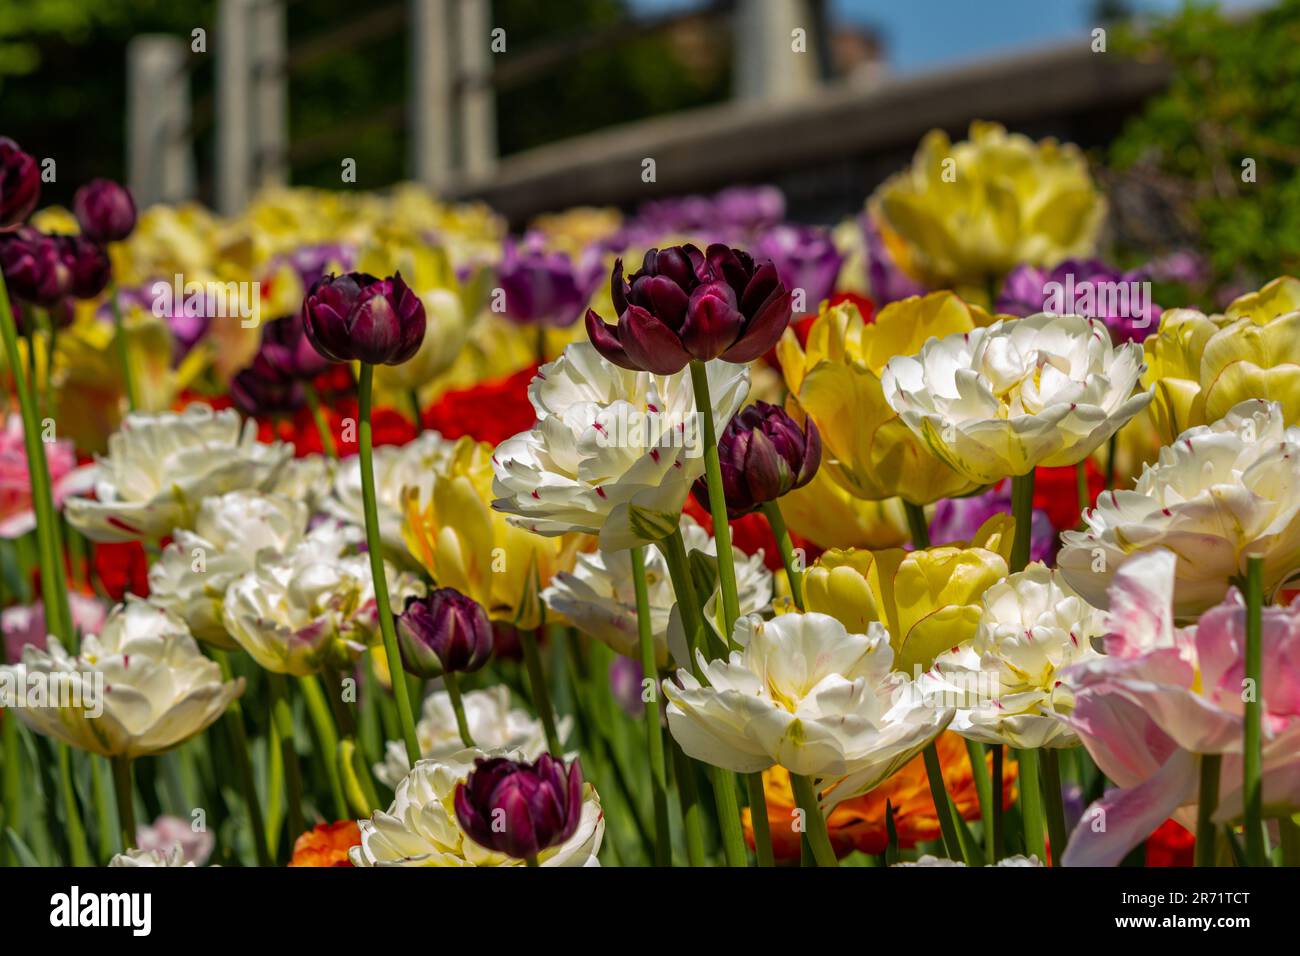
1234, 96
63, 82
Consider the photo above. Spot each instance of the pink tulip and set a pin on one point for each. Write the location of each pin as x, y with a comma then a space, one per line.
1163, 695
25, 624
16, 515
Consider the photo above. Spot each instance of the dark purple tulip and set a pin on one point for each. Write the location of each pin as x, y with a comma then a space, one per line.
105, 210
444, 632
20, 184
262, 389
520, 809
89, 268
683, 304
34, 268
805, 258
61, 315
544, 288
287, 349
358, 317
764, 454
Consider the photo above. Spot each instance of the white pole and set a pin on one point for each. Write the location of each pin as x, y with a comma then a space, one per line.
160, 158
432, 74
271, 98
234, 94
775, 50
478, 98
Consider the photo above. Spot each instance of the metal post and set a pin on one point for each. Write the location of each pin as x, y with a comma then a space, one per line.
271, 94
477, 113
431, 93
767, 67
234, 172
160, 158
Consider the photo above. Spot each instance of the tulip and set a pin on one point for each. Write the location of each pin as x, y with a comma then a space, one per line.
287, 349
1001, 400
928, 599
356, 317
89, 269
261, 390
105, 210
326, 844
965, 214
491, 719
174, 856
834, 377
544, 288
159, 468
1027, 291
422, 826
20, 184
520, 809
614, 452
1217, 495
684, 305
35, 269
806, 261
764, 455
168, 834
444, 632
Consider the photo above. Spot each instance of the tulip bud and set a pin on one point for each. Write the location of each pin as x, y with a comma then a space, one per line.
764, 454
444, 632
358, 317
20, 184
286, 349
88, 265
685, 305
261, 390
520, 809
105, 210
34, 270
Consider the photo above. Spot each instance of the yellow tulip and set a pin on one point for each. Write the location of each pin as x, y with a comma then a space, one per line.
836, 380
464, 544
928, 600
829, 516
1200, 366
964, 214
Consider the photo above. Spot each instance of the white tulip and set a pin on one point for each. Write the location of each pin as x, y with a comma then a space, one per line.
308, 479
609, 441
159, 468
493, 725
144, 674
232, 531
600, 599
1006, 684
312, 608
1219, 493
172, 856
1001, 400
1012, 861
420, 828
804, 693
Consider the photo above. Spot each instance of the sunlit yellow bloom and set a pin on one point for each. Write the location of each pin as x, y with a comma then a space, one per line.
928, 600
836, 379
463, 544
965, 214
828, 515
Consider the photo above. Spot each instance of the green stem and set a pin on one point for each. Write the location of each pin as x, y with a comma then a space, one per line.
414, 397
1110, 460
984, 789
318, 416
1288, 832
1031, 804
717, 498
917, 525
318, 712
122, 789
540, 690
123, 350
452, 683
1022, 509
688, 796
1252, 755
374, 545
688, 605
758, 819
282, 716
942, 805
996, 779
819, 841
663, 855
1056, 830
728, 807
1206, 804
78, 848
103, 808
794, 574
234, 721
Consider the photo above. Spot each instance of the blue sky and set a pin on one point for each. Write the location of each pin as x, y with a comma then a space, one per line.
922, 34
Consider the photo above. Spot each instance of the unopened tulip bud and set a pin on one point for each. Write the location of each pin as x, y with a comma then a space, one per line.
764, 454
105, 210
444, 632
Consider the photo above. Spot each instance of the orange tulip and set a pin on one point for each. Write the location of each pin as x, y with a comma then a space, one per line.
326, 844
